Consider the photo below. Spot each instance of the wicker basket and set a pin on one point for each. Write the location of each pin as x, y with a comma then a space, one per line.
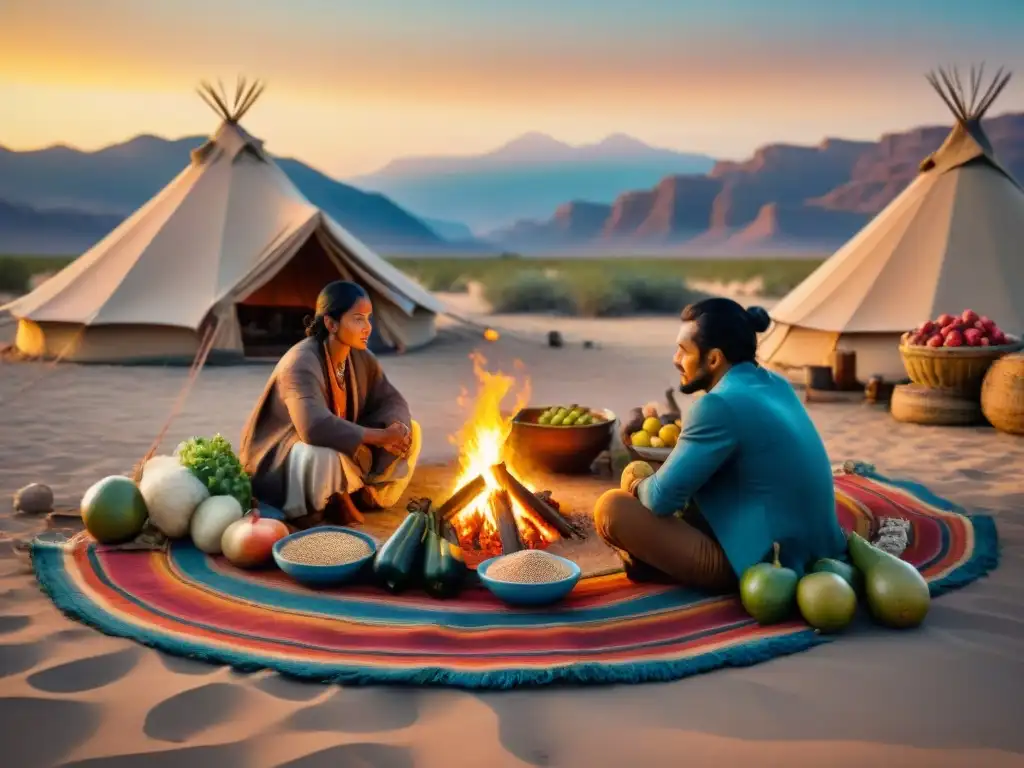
1002, 394
914, 404
956, 369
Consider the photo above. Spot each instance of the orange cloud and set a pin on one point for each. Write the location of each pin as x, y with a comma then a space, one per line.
349, 101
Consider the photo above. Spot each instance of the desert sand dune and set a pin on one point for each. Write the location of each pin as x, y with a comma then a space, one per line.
945, 695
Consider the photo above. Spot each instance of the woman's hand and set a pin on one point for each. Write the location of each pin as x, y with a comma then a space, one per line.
396, 439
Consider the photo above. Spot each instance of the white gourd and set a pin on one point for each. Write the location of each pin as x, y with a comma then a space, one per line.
159, 463
172, 494
211, 519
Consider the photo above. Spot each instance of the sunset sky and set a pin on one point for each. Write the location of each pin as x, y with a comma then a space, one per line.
351, 85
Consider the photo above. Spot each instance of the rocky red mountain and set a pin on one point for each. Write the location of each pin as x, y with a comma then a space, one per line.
784, 197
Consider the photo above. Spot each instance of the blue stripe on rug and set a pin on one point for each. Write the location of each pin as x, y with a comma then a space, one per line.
52, 576
195, 565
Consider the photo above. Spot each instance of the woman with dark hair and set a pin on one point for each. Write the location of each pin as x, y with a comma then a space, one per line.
329, 423
749, 469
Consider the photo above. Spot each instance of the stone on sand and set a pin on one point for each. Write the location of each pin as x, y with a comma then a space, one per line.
34, 499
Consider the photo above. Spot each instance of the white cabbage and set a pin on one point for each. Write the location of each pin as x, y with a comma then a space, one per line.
172, 494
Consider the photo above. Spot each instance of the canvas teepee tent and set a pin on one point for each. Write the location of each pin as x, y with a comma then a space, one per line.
226, 244
952, 240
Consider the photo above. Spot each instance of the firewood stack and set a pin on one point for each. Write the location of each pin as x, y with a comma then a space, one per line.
515, 517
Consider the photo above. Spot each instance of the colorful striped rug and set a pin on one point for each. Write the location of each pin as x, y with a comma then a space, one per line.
608, 631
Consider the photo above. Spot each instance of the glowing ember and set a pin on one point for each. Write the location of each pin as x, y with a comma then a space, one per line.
481, 443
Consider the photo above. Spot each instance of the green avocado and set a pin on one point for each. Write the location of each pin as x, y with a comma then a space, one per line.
768, 591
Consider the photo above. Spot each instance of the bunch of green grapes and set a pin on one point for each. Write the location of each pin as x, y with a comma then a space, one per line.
215, 464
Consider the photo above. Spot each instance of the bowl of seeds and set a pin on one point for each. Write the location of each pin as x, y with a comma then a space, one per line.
529, 577
324, 556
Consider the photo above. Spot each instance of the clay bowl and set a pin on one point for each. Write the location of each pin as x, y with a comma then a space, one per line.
562, 450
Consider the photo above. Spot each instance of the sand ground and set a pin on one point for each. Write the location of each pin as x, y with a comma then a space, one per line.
948, 694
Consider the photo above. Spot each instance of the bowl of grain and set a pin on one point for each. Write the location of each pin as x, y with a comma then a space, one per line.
529, 577
324, 556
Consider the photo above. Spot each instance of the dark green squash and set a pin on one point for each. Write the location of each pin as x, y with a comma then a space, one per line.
400, 560
444, 570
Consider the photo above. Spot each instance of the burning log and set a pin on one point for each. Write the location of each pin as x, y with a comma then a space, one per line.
505, 522
548, 499
528, 501
462, 498
534, 529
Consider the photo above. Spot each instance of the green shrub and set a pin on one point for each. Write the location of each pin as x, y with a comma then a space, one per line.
14, 276
530, 291
651, 295
587, 295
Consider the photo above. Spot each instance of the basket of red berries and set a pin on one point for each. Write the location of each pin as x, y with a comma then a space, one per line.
953, 352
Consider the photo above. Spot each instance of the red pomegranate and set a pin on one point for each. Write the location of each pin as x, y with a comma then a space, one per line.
247, 543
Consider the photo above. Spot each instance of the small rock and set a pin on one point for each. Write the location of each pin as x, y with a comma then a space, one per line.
588, 344
554, 339
34, 499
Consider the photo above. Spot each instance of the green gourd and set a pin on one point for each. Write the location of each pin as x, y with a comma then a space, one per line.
444, 569
400, 560
897, 594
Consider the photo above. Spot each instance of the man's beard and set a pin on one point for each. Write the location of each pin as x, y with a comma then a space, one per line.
701, 382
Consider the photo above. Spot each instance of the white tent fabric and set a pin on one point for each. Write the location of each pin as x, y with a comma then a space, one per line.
221, 230
950, 241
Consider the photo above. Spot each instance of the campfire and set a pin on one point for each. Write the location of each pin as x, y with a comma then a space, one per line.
493, 509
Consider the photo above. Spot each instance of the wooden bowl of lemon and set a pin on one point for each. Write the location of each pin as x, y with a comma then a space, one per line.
655, 438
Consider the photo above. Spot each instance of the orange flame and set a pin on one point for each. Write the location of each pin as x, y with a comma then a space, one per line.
481, 441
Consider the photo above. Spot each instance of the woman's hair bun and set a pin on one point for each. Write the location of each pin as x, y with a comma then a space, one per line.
758, 318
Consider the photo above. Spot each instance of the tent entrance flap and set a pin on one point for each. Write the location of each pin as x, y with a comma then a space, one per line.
271, 317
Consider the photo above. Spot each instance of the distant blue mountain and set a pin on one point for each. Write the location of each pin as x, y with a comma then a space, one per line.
112, 182
526, 178
452, 231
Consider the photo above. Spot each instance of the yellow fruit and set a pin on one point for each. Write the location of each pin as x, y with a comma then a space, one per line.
651, 425
669, 434
641, 439
679, 423
657, 442
635, 470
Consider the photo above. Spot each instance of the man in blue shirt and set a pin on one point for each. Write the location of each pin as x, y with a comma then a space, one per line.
749, 469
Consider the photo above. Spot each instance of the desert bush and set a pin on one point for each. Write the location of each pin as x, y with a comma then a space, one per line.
778, 275
529, 291
14, 275
590, 295
649, 295
441, 280
600, 297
